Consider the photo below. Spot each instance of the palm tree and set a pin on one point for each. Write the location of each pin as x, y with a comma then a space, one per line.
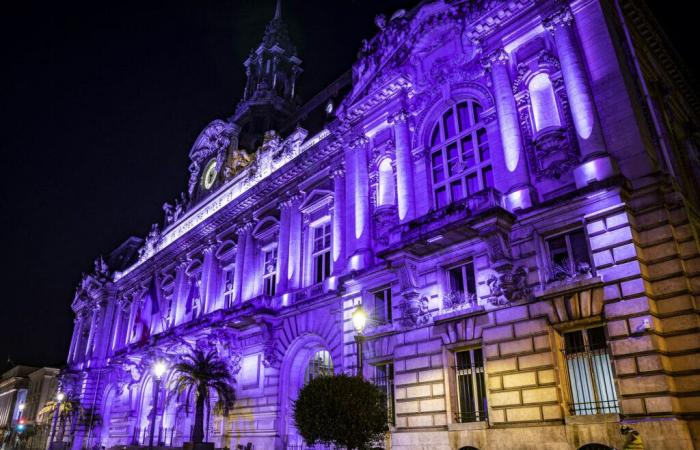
203, 373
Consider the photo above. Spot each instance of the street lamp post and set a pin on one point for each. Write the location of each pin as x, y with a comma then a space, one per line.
359, 320
159, 369
59, 398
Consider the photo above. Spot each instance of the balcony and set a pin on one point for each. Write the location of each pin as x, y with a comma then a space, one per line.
444, 227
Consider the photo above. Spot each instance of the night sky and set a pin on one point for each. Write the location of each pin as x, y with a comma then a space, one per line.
100, 104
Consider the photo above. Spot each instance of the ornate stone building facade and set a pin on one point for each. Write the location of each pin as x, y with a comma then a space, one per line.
509, 187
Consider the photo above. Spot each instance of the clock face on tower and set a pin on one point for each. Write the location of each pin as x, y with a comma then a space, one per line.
209, 176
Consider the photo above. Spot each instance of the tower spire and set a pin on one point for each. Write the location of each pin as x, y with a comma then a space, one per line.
278, 10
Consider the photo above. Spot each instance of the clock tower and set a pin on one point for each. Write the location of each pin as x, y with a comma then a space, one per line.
269, 98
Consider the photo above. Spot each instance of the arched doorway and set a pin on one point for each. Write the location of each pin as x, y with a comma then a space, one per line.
468, 448
307, 358
108, 404
595, 447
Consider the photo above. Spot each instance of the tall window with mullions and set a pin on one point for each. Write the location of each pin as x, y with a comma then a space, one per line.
591, 382
384, 380
471, 386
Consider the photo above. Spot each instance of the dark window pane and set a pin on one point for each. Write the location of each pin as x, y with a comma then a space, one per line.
573, 342
471, 280
484, 154
488, 177
596, 338
456, 190
477, 112
463, 114
452, 160
438, 172
468, 151
456, 279
440, 197
558, 251
579, 247
448, 121
472, 183
435, 137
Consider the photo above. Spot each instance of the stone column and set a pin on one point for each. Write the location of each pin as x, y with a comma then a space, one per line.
95, 311
211, 278
240, 257
249, 278
295, 239
581, 101
510, 168
77, 326
283, 247
361, 256
404, 167
180, 292
338, 243
349, 200
105, 326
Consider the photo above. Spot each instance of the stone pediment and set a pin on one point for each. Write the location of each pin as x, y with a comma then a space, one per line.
437, 42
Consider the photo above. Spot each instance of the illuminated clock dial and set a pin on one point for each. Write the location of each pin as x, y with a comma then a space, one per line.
209, 176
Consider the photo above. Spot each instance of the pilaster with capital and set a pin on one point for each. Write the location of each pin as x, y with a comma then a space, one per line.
294, 262
359, 187
404, 167
578, 89
240, 258
180, 293
248, 280
211, 279
77, 327
285, 207
339, 225
510, 166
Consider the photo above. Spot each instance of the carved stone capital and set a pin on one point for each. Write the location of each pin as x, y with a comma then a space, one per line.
245, 227
210, 246
562, 18
498, 56
359, 142
337, 172
399, 117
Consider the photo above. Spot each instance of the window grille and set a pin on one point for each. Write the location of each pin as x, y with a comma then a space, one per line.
384, 380
459, 154
471, 386
321, 254
591, 383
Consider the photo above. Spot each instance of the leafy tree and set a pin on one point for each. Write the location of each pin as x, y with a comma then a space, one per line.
344, 411
203, 373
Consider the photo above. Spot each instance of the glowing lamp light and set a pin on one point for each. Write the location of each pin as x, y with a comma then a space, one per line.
20, 427
159, 369
60, 396
20, 406
359, 319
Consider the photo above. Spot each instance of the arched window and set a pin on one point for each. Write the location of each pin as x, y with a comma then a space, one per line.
320, 365
459, 154
544, 105
385, 194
